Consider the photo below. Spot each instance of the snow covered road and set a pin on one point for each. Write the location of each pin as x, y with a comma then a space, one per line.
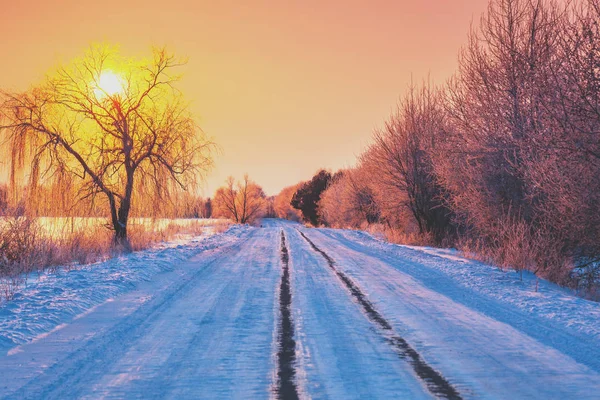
285, 311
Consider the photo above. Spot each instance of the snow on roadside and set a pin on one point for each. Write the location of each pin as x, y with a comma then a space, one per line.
549, 301
53, 298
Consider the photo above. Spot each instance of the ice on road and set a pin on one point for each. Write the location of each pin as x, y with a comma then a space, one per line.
368, 320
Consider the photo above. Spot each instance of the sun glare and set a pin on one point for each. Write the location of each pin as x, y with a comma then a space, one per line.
108, 84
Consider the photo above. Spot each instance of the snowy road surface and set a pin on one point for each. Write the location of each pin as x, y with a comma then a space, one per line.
284, 311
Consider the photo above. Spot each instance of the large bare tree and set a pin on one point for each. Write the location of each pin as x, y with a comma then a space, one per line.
119, 126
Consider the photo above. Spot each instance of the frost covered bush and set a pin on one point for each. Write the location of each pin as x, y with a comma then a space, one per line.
521, 155
349, 201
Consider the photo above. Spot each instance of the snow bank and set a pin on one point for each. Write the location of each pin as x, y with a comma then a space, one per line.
55, 298
549, 301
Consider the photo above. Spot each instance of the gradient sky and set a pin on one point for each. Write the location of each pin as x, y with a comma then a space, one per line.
284, 87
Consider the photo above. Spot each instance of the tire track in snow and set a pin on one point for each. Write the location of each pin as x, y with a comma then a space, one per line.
436, 383
286, 356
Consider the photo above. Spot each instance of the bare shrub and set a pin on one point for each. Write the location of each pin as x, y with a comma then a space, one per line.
520, 247
22, 251
21, 247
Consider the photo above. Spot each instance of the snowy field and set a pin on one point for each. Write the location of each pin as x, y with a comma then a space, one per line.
201, 318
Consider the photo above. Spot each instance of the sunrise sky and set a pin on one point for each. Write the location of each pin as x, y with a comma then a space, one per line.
284, 87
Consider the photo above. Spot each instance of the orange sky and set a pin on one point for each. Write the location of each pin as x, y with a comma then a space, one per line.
284, 87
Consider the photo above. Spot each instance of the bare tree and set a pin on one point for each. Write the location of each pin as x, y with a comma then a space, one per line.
119, 127
243, 202
400, 160
252, 201
225, 203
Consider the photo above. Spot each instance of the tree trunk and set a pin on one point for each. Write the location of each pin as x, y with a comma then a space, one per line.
120, 225
120, 218
120, 239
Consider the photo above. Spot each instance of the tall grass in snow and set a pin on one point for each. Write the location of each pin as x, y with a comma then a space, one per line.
28, 245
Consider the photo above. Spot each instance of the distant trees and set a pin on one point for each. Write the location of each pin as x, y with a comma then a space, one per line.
242, 202
269, 211
308, 194
109, 126
282, 204
349, 201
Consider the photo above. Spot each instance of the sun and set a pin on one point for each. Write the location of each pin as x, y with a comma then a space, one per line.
108, 84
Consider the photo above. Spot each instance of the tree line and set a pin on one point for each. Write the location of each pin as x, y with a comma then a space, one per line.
502, 160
